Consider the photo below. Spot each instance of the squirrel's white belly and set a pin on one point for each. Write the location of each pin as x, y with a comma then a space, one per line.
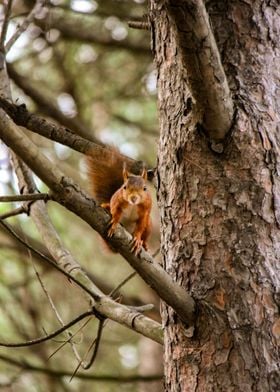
129, 217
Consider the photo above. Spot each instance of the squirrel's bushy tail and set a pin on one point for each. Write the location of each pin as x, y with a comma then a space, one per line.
105, 168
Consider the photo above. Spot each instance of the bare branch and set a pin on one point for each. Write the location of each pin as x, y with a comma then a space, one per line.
79, 27
23, 208
48, 107
91, 377
104, 305
49, 336
5, 88
5, 25
60, 134
94, 344
139, 24
49, 261
16, 211
48, 129
37, 7
108, 8
201, 58
32, 196
66, 261
69, 339
69, 195
59, 318
134, 300
127, 279
22, 248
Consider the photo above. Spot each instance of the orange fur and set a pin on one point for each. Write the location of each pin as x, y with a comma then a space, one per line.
117, 190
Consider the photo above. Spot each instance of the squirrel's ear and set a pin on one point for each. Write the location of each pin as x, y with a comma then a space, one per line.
144, 174
125, 172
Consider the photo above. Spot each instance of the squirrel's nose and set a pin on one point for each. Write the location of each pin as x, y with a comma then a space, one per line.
133, 199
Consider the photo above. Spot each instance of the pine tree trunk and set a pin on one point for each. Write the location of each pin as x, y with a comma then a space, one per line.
220, 212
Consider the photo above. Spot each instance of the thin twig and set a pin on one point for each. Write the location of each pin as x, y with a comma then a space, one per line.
79, 29
56, 313
49, 336
60, 134
95, 343
26, 197
5, 25
115, 290
91, 377
139, 24
48, 260
17, 211
48, 106
38, 5
70, 338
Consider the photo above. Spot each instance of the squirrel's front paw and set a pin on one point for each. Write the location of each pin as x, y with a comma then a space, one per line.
136, 245
112, 229
106, 206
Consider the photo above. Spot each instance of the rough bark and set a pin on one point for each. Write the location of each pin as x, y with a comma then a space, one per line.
220, 213
201, 60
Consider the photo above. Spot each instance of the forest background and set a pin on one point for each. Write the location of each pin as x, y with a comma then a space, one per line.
80, 65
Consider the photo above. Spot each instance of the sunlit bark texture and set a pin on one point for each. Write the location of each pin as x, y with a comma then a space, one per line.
220, 213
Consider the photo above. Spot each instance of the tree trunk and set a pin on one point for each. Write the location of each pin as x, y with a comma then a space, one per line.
220, 213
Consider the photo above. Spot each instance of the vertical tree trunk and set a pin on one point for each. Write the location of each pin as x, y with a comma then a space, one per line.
220, 213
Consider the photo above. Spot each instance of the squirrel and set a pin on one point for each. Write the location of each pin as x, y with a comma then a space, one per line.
122, 193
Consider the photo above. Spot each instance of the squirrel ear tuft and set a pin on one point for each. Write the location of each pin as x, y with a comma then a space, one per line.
144, 174
125, 172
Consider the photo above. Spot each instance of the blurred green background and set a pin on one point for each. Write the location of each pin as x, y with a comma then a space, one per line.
80, 65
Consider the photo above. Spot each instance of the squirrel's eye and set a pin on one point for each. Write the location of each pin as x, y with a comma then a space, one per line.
145, 188
124, 187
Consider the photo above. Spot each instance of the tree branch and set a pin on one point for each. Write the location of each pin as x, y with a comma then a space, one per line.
201, 58
95, 344
132, 301
55, 132
17, 211
37, 7
56, 312
119, 286
103, 305
141, 24
5, 24
48, 107
90, 377
5, 89
68, 194
26, 197
40, 217
80, 27
94, 295
49, 336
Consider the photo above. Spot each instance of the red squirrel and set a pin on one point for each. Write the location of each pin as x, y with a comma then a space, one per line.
121, 192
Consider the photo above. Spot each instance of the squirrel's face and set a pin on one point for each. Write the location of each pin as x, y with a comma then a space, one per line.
134, 190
